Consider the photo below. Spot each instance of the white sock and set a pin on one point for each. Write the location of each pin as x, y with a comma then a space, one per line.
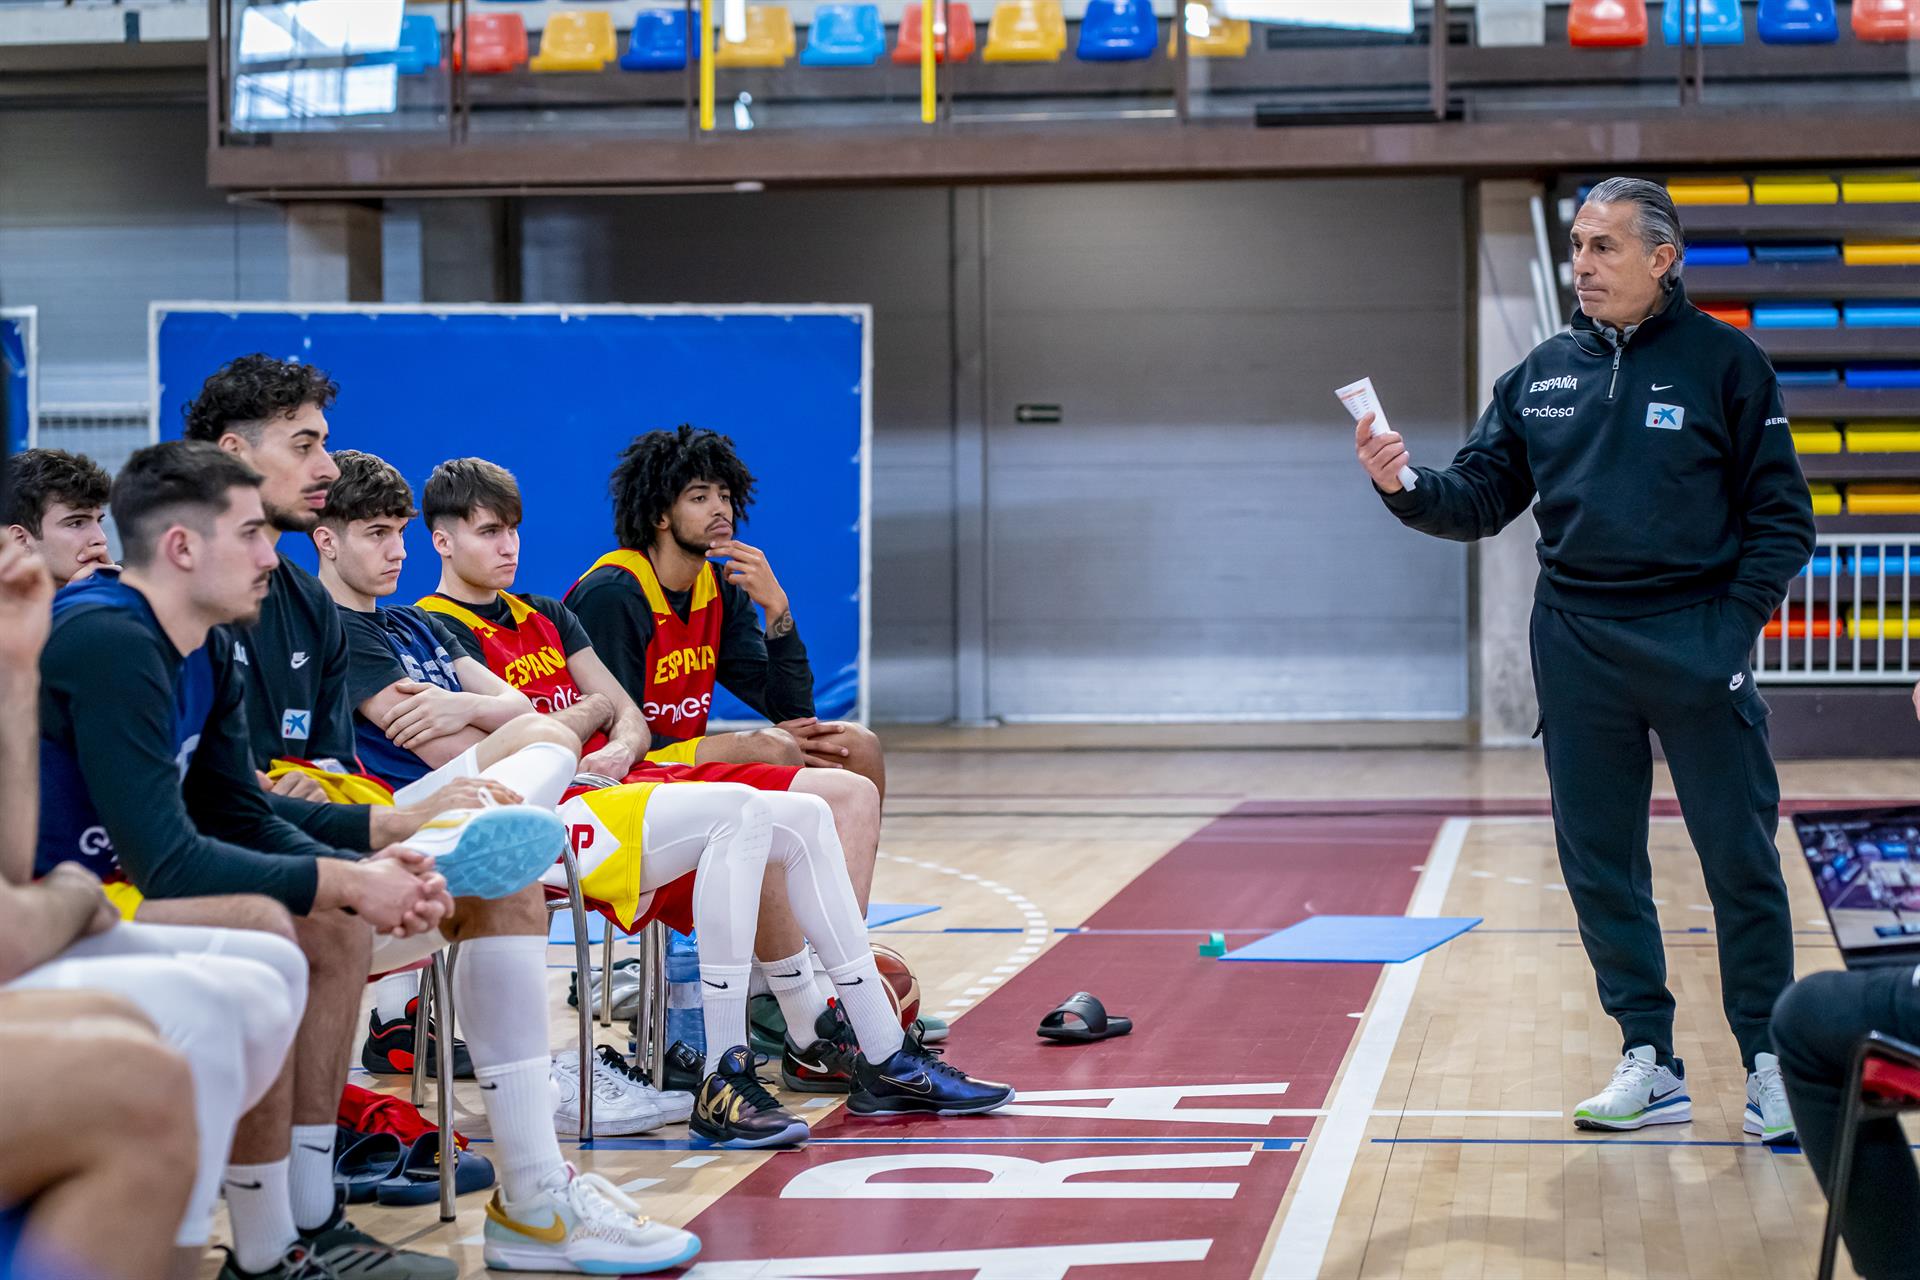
500, 995
392, 994
540, 773
261, 1214
875, 1024
791, 983
312, 1175
723, 1008
519, 1101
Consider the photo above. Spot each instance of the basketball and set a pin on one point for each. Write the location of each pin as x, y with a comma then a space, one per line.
903, 989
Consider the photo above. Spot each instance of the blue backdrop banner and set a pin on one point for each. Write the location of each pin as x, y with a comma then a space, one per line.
554, 396
16, 365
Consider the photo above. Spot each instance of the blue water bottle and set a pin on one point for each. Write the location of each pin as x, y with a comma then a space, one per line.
683, 992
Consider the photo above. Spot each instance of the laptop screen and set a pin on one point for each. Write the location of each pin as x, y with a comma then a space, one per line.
1866, 865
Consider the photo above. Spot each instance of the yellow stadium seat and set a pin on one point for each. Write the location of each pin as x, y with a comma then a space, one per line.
1826, 499
1884, 437
770, 40
1880, 188
1883, 499
1026, 31
1858, 254
1816, 437
1211, 36
1795, 188
1709, 191
1866, 623
576, 40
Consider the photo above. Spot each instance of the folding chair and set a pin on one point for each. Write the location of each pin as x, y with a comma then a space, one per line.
1884, 1082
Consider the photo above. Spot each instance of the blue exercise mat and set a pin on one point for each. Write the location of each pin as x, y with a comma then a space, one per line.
878, 914
1356, 939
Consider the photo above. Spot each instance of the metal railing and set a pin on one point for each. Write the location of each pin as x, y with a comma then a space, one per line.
1848, 617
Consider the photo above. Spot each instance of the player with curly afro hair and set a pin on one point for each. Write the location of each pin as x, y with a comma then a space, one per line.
657, 468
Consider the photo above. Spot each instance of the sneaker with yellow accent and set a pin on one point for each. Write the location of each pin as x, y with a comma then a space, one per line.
493, 852
733, 1109
581, 1223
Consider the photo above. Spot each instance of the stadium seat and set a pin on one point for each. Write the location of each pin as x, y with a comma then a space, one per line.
1886, 20
1904, 377
1607, 24
1738, 317
1795, 188
1883, 315
1826, 499
770, 40
576, 40
1883, 437
498, 42
1880, 188
1026, 31
1816, 437
418, 49
1709, 191
1713, 253
1707, 22
1211, 36
845, 35
1117, 31
1881, 254
1798, 22
658, 42
1796, 315
956, 45
1794, 251
1798, 627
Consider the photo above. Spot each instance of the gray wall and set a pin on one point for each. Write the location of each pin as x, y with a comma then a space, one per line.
103, 211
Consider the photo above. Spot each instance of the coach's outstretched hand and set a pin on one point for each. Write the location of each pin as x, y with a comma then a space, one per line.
1382, 455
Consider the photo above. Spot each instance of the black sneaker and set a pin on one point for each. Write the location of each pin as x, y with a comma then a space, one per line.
766, 1025
733, 1109
345, 1251
826, 1065
299, 1264
684, 1068
915, 1081
389, 1047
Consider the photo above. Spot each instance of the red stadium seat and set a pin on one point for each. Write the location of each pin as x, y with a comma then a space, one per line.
1607, 24
1886, 20
956, 46
499, 42
1885, 1082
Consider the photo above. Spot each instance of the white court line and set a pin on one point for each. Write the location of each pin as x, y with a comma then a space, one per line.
1301, 1245
695, 1162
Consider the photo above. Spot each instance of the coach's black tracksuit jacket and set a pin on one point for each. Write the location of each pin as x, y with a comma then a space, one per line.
1672, 515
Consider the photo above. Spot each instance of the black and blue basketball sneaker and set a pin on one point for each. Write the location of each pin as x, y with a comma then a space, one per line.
733, 1109
915, 1081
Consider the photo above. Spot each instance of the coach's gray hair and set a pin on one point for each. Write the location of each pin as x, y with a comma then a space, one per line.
1655, 218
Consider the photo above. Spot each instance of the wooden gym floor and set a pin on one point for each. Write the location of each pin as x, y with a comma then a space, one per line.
1274, 1120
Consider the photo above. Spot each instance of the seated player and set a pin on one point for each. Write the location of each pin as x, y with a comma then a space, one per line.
54, 508
472, 508
126, 714
669, 624
66, 1156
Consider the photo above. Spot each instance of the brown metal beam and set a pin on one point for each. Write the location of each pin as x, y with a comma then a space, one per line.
309, 168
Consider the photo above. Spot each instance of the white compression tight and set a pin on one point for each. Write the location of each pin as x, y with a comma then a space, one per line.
726, 834
227, 1000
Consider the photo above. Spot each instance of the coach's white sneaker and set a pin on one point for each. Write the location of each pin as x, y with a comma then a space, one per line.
582, 1224
1767, 1113
618, 1110
1641, 1093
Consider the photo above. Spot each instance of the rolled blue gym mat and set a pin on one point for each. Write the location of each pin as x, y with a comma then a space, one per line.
1795, 315
1882, 376
1883, 315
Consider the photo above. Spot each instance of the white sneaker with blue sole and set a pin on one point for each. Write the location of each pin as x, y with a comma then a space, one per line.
581, 1223
1768, 1117
493, 852
1642, 1092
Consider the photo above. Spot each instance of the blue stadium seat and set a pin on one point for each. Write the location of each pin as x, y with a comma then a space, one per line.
1798, 22
658, 42
419, 47
845, 35
1708, 22
1117, 31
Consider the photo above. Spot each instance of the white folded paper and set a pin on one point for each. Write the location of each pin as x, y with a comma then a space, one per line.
1361, 400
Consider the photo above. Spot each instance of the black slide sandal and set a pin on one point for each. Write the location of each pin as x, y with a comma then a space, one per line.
1082, 1019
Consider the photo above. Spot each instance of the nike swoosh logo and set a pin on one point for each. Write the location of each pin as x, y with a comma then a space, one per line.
856, 982
320, 1151
919, 1084
554, 1234
820, 1067
794, 974
1663, 386
717, 986
1668, 1094
244, 1186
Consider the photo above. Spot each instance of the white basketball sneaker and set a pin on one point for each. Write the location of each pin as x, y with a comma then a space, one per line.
618, 1109
581, 1224
675, 1105
1641, 1093
1767, 1114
